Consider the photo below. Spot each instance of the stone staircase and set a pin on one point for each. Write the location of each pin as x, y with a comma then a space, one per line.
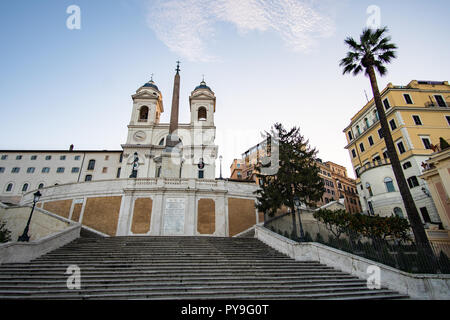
179, 268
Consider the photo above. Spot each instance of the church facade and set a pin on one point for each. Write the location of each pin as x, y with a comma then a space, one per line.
162, 182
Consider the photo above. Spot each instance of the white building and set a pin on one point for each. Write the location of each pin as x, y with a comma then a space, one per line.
147, 137
162, 182
22, 171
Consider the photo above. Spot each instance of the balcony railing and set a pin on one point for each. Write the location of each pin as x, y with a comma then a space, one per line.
436, 105
373, 164
365, 127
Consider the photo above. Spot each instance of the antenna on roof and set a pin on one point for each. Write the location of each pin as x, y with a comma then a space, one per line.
366, 95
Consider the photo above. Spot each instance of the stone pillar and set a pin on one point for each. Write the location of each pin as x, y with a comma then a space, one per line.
221, 219
156, 224
125, 214
190, 227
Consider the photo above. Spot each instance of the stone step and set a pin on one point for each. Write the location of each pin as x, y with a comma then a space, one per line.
160, 264
153, 289
331, 293
181, 278
149, 255
39, 263
159, 273
179, 268
41, 285
216, 271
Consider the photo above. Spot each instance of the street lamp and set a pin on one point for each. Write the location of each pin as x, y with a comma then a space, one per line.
25, 237
135, 166
297, 205
220, 158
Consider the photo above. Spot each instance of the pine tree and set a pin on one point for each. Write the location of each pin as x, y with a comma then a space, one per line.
297, 174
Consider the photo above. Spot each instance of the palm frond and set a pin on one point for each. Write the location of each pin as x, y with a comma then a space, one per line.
380, 68
374, 49
352, 44
386, 56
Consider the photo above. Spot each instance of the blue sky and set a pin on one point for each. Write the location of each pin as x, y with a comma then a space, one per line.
266, 61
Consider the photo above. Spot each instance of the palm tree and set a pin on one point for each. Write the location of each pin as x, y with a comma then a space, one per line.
373, 51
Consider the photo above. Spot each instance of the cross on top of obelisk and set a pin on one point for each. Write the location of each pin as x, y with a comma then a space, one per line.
178, 67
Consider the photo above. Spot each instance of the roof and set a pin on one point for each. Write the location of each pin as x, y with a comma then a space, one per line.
202, 86
151, 84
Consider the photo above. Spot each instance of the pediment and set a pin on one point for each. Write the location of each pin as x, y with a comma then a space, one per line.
202, 95
145, 95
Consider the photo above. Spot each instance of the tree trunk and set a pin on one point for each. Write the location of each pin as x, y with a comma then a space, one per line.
413, 215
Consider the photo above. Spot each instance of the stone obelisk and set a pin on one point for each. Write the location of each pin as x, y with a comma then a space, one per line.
171, 156
172, 139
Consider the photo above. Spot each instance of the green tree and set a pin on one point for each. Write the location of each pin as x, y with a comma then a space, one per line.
5, 234
373, 50
297, 174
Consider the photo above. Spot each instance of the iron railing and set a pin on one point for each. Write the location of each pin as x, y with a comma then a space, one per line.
403, 255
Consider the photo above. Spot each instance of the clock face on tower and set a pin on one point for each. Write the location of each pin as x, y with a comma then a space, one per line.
139, 135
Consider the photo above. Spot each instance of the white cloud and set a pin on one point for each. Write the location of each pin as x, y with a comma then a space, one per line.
186, 26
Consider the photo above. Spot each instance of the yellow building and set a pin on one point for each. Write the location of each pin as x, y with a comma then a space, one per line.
418, 115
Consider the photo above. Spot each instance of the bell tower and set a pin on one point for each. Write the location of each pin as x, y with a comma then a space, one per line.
147, 109
203, 105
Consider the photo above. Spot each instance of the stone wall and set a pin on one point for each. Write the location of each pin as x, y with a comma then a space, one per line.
41, 224
139, 206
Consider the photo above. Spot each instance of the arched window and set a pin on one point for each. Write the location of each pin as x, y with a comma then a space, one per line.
366, 121
41, 185
389, 184
25, 187
9, 187
91, 164
161, 143
88, 177
143, 113
369, 188
376, 114
202, 114
398, 212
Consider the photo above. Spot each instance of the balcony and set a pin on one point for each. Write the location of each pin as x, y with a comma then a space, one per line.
373, 164
434, 104
366, 127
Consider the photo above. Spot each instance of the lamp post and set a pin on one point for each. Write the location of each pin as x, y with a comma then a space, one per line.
25, 237
220, 158
135, 166
297, 205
